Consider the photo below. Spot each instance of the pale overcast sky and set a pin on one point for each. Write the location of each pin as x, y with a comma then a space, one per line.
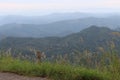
38, 7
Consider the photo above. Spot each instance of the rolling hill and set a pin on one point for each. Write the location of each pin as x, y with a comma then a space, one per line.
60, 28
92, 39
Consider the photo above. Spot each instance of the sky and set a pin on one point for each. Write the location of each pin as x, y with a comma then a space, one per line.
41, 7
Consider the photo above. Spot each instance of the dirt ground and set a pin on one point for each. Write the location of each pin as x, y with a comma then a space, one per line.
12, 76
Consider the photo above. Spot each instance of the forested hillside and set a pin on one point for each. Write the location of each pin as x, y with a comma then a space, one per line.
93, 39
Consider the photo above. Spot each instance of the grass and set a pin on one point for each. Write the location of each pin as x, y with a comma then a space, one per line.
52, 71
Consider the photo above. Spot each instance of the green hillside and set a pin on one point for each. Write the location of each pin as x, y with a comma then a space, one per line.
91, 39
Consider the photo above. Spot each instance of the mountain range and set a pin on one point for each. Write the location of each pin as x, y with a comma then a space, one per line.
43, 19
50, 18
93, 39
59, 28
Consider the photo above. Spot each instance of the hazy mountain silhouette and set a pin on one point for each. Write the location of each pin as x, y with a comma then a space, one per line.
49, 18
60, 28
42, 19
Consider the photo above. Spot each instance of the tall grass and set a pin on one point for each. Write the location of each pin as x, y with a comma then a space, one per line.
53, 71
106, 62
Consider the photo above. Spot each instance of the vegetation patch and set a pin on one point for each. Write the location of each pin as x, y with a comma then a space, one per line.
53, 71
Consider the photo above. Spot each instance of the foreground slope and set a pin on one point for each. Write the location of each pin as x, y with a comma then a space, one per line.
53, 71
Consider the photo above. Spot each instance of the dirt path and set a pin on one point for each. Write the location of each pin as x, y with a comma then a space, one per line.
11, 76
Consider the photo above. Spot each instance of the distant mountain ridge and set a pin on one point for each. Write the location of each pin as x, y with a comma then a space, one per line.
45, 19
60, 28
92, 39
